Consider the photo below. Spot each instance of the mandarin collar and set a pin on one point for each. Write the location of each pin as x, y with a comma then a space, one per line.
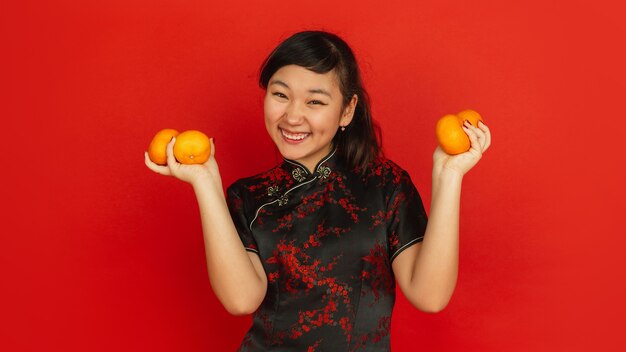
322, 170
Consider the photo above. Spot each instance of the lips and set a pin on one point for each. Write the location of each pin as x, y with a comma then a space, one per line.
294, 136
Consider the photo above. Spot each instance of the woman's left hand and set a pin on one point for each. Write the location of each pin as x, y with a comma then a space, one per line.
480, 139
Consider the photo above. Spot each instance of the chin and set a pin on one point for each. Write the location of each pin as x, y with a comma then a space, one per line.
288, 151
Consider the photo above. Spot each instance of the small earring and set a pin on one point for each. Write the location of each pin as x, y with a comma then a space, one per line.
343, 128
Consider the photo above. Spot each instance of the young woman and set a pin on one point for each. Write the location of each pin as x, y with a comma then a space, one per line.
313, 247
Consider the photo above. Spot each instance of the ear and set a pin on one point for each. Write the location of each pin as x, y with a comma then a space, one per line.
348, 111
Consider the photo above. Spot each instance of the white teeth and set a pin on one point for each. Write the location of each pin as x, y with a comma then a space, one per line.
294, 136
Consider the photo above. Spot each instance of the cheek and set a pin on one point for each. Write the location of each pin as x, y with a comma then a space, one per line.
272, 112
328, 123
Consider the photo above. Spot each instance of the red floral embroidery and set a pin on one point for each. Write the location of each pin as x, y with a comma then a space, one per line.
326, 251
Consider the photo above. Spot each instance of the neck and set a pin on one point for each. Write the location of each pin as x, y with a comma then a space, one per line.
311, 166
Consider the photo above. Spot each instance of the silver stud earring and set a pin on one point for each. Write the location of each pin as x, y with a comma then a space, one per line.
343, 128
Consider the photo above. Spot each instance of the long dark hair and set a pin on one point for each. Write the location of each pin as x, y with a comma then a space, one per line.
323, 52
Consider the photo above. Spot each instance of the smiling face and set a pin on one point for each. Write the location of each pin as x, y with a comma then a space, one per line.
303, 112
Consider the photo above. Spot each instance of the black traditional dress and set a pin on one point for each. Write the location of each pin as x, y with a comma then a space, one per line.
326, 240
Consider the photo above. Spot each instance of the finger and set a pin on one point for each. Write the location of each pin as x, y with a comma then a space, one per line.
171, 159
474, 143
212, 153
480, 136
163, 170
487, 133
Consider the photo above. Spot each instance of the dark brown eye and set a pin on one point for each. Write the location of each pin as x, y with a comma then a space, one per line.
279, 94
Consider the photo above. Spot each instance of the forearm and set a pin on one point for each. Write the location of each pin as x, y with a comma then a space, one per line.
436, 265
231, 272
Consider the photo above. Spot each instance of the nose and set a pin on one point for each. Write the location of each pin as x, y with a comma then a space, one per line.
294, 114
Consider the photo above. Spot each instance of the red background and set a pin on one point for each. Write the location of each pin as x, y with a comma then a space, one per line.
98, 253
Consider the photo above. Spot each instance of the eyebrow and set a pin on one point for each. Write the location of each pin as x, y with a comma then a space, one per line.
316, 90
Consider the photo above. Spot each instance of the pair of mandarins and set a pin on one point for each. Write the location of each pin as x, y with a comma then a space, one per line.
191, 147
450, 134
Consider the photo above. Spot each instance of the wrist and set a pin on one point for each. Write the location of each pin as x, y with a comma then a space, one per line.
207, 183
446, 176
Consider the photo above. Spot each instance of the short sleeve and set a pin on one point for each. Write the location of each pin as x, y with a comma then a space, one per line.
408, 217
237, 213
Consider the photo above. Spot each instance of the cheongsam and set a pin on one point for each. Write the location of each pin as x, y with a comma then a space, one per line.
326, 240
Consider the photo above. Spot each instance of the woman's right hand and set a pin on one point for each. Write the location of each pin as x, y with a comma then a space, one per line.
193, 173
